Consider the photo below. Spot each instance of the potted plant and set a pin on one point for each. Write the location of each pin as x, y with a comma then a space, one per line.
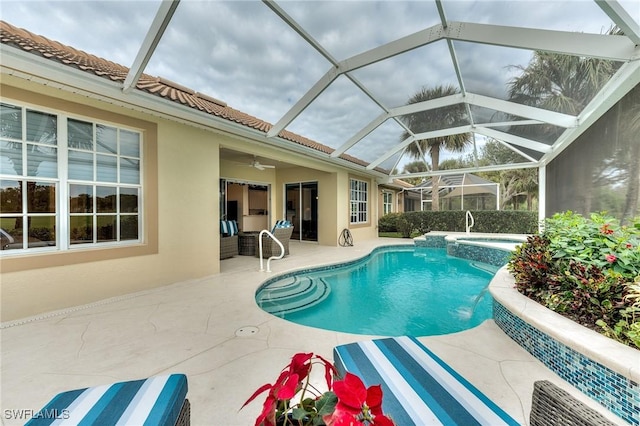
293, 400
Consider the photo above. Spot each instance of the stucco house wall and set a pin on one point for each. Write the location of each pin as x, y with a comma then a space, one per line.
182, 171
179, 207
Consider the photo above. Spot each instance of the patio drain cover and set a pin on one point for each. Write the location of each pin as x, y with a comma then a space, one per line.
246, 331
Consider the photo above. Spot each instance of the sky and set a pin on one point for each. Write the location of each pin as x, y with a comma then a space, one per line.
241, 52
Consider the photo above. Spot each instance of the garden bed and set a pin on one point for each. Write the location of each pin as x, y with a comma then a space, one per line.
603, 369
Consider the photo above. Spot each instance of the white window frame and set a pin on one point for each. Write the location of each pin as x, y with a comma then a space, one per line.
387, 202
358, 201
62, 183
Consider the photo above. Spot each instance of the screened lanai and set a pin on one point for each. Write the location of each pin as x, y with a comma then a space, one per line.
369, 80
464, 191
294, 91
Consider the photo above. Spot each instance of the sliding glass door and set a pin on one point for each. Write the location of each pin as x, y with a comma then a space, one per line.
301, 202
245, 202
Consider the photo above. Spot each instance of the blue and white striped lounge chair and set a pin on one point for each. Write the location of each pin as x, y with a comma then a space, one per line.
418, 387
157, 401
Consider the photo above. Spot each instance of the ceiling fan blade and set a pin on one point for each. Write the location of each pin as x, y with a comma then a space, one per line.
255, 163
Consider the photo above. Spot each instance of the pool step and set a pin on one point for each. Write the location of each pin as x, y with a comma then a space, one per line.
292, 294
485, 267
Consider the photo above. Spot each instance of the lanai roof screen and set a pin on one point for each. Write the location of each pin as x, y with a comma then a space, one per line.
343, 73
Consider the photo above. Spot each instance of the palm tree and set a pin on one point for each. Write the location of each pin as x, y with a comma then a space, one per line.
514, 183
559, 83
440, 118
414, 167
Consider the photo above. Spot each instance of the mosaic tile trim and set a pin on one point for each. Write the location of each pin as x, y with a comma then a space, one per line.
432, 241
490, 255
617, 393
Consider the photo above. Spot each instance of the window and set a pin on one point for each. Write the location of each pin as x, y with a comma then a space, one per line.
387, 202
66, 182
359, 201
104, 183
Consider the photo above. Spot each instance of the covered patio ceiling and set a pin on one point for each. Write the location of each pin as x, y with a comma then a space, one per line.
476, 47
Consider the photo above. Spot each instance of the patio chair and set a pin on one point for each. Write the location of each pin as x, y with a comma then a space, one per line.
553, 406
228, 239
418, 387
160, 400
270, 247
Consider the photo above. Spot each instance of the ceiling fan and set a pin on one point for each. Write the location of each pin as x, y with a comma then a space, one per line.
255, 163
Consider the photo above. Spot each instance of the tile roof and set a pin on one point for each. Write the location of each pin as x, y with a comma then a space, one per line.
55, 51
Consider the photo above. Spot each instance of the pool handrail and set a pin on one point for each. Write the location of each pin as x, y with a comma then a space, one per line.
282, 251
469, 221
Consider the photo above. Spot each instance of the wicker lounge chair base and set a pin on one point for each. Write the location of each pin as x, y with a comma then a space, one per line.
228, 247
270, 247
552, 406
184, 418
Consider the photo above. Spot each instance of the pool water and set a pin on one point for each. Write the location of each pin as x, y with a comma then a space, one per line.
406, 290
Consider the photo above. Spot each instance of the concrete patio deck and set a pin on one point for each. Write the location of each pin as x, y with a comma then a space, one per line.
212, 330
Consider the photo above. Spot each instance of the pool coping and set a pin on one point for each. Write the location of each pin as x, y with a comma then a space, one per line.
604, 350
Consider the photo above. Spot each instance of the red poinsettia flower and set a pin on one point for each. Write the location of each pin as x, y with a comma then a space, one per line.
357, 404
329, 371
350, 403
382, 421
353, 395
300, 365
283, 389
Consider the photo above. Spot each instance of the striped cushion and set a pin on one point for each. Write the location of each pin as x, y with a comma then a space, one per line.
153, 401
233, 227
228, 228
281, 224
418, 387
224, 227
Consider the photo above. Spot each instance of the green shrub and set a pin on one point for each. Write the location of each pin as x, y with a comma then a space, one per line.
389, 222
531, 264
504, 221
43, 234
405, 226
587, 270
628, 327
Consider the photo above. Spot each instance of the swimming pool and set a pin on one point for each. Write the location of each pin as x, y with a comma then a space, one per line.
394, 291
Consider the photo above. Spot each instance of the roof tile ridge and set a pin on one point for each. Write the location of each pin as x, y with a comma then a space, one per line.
53, 48
174, 85
19, 32
155, 85
210, 99
294, 137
